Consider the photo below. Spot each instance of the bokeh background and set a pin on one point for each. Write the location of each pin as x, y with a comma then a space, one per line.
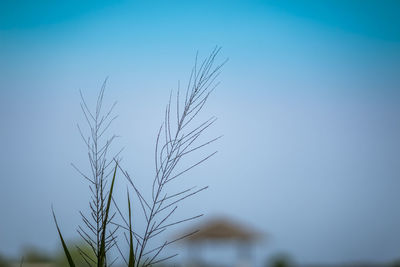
309, 106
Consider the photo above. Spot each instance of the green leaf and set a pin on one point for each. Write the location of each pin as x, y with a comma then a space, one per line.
70, 261
102, 252
131, 254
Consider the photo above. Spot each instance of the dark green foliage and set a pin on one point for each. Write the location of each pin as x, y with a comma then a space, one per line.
76, 255
3, 262
66, 251
34, 256
131, 254
102, 253
280, 260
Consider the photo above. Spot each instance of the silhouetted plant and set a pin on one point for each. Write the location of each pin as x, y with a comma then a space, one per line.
176, 140
96, 231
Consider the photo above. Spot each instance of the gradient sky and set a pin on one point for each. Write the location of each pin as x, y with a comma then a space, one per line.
309, 106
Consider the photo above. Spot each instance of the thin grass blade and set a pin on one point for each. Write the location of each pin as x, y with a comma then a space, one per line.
66, 251
102, 252
131, 254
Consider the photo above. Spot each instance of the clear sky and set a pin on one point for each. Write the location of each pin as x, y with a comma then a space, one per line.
309, 106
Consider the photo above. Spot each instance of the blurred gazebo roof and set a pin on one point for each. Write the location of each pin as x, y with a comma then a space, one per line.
222, 229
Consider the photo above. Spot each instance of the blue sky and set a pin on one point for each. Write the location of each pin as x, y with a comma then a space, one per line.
309, 106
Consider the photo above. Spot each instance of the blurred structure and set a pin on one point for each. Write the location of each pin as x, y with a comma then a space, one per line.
222, 230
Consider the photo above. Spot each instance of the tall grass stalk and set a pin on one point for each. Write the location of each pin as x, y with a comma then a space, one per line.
178, 138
